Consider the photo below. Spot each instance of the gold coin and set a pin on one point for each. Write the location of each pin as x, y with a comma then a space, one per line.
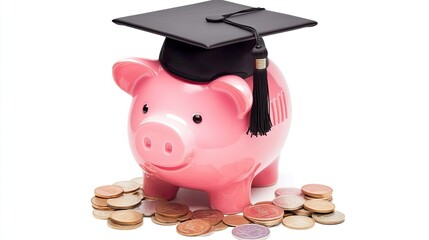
173, 210
108, 191
212, 215
123, 227
317, 190
335, 217
298, 222
101, 214
319, 206
302, 212
235, 220
162, 223
138, 180
124, 202
128, 186
101, 202
126, 217
194, 227
220, 226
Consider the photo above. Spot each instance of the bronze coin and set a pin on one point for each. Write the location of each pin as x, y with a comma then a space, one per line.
123, 227
220, 226
317, 190
172, 210
108, 191
263, 212
126, 217
101, 202
212, 215
164, 219
194, 227
235, 220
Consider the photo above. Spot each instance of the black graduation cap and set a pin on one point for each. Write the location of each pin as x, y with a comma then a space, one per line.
210, 39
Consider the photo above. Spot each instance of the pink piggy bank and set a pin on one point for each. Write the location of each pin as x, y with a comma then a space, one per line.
193, 135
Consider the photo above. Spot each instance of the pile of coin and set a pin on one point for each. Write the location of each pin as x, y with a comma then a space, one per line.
124, 207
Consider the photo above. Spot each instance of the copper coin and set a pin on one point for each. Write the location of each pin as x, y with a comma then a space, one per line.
212, 215
124, 202
263, 212
123, 227
319, 206
298, 222
194, 227
289, 202
101, 208
128, 186
335, 217
317, 190
185, 217
108, 191
164, 219
147, 208
101, 202
235, 220
172, 210
126, 217
288, 191
220, 226
101, 214
154, 220
303, 212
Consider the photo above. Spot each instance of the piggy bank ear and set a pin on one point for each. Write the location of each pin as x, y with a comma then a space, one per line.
238, 89
128, 71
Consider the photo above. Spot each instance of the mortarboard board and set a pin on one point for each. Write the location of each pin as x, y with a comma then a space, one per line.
214, 38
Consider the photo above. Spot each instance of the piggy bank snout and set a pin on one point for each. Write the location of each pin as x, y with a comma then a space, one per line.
161, 145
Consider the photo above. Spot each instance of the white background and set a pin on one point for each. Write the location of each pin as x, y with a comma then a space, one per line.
359, 83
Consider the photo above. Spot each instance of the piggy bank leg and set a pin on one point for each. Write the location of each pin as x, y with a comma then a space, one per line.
156, 188
268, 176
232, 198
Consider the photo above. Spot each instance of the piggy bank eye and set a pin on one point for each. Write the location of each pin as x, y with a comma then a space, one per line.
145, 108
197, 118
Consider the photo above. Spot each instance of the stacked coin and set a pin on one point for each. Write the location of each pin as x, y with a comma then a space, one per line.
111, 201
303, 207
168, 213
124, 207
264, 214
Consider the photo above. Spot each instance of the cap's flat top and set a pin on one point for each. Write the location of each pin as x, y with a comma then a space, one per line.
188, 23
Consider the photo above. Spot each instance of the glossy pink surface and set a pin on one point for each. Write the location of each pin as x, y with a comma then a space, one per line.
215, 155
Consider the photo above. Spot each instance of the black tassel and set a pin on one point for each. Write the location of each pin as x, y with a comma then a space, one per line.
260, 121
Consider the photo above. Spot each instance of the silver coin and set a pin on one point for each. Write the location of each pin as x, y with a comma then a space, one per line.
251, 231
147, 208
